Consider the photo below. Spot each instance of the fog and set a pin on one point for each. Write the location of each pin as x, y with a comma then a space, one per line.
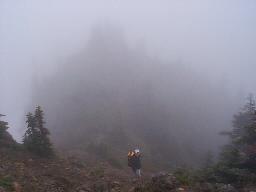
187, 65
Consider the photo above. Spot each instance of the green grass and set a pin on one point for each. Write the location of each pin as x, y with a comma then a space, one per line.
6, 183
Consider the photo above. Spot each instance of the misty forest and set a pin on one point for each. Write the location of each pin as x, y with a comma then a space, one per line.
127, 96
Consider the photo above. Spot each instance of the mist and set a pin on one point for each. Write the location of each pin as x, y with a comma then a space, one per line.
177, 68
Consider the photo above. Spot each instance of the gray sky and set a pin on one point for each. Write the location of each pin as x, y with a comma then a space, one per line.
215, 38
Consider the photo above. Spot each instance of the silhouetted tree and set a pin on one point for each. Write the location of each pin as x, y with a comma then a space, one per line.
3, 126
209, 160
239, 156
36, 138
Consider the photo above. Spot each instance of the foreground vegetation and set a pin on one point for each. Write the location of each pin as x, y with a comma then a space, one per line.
35, 162
237, 163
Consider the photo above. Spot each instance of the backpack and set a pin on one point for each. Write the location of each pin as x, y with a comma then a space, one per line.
130, 158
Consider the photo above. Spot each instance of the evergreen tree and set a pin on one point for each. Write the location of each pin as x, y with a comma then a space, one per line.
244, 131
241, 152
209, 160
3, 126
6, 139
238, 158
30, 140
36, 138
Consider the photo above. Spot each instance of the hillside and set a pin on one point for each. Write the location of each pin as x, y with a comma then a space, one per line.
23, 172
35, 174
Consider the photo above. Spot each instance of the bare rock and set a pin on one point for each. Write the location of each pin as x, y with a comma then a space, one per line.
2, 189
161, 182
17, 187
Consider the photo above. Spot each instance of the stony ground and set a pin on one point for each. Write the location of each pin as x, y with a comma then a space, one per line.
22, 172
32, 174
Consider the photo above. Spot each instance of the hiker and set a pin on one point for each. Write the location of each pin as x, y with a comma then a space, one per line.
134, 162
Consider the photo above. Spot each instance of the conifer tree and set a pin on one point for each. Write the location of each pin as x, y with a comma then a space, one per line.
30, 139
3, 126
36, 138
242, 149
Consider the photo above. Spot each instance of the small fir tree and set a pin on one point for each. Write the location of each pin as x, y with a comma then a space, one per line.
36, 138
3, 126
241, 152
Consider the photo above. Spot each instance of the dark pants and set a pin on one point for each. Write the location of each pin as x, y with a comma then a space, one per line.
136, 172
